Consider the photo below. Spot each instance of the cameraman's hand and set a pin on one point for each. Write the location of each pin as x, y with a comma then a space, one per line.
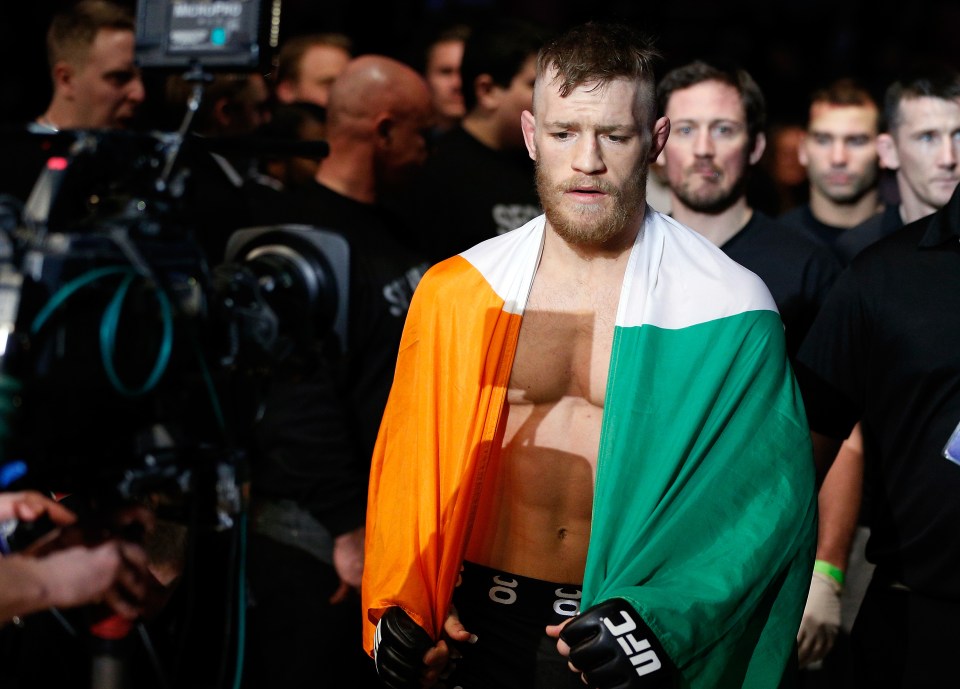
76, 565
113, 573
348, 561
30, 505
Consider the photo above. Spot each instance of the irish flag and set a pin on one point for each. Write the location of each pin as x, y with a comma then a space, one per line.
704, 512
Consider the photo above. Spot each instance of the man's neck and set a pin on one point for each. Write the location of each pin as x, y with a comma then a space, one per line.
483, 129
911, 207
845, 215
582, 257
349, 175
720, 227
59, 116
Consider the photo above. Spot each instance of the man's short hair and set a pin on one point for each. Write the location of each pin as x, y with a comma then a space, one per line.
699, 71
498, 48
293, 49
929, 81
598, 52
846, 91
74, 29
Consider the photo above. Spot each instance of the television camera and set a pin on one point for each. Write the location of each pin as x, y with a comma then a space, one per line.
131, 364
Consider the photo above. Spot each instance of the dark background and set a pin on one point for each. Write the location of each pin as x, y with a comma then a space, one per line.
790, 46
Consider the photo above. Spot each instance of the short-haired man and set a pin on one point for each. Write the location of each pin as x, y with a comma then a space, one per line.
307, 66
96, 84
920, 139
552, 464
478, 182
717, 116
839, 152
441, 69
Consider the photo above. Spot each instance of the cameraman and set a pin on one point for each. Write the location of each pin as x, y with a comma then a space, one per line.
65, 568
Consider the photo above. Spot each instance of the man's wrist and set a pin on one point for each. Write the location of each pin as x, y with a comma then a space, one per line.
831, 570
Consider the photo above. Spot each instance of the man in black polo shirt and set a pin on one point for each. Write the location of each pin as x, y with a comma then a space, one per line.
883, 350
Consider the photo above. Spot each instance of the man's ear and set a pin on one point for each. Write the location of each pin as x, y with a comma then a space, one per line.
384, 128
62, 75
759, 146
887, 152
661, 132
529, 126
221, 113
285, 92
487, 92
802, 156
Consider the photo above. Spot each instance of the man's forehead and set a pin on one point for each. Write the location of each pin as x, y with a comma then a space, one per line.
830, 117
833, 111
922, 110
707, 99
113, 46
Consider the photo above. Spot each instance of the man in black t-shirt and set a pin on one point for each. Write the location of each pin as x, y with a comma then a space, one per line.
316, 437
839, 152
479, 182
717, 119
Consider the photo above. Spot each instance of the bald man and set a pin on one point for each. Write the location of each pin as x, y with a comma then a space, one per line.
318, 430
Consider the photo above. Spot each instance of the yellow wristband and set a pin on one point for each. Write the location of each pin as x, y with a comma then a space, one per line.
831, 571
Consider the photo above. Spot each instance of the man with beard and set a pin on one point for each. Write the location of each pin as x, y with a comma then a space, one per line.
554, 482
717, 116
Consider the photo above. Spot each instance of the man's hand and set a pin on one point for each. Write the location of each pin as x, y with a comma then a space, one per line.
821, 619
74, 564
612, 648
348, 562
406, 656
113, 573
30, 505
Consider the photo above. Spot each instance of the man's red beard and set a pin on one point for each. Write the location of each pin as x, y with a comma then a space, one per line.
592, 225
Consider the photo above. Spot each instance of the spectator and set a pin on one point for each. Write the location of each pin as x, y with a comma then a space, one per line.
478, 182
320, 418
307, 66
717, 117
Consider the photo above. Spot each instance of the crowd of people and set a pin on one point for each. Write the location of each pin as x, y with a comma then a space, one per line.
607, 407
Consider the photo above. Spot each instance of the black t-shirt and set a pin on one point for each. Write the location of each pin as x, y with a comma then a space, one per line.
857, 238
319, 430
469, 192
803, 217
884, 349
797, 269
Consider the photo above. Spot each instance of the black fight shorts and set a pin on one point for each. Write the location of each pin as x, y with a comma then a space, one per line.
508, 614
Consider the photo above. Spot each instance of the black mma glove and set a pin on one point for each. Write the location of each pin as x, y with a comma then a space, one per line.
615, 649
398, 649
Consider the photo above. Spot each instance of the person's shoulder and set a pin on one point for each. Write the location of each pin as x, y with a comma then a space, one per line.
786, 228
854, 240
706, 268
892, 247
797, 215
453, 144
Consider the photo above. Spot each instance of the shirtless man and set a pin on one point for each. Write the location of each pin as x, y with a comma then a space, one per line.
576, 434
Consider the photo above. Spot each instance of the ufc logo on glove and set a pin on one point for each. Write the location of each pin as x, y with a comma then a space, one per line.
641, 655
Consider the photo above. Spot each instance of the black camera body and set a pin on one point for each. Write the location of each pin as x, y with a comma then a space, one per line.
141, 367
